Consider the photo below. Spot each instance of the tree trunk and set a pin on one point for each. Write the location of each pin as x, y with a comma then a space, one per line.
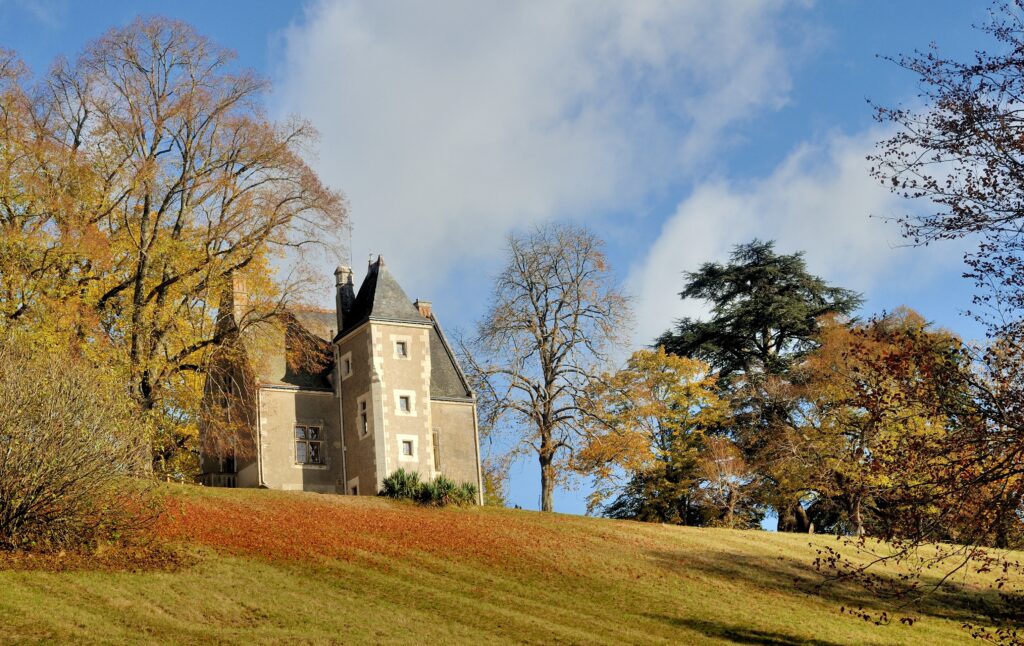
795, 519
857, 517
547, 483
803, 521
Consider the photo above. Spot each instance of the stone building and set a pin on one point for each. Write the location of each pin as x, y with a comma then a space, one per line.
387, 393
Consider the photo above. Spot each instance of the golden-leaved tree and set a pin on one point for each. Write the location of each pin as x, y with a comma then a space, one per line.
646, 427
871, 410
140, 183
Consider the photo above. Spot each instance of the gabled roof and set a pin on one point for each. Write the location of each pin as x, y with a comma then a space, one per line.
299, 357
380, 298
319, 322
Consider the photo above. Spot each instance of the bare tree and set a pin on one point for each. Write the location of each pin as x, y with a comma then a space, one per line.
727, 478
554, 316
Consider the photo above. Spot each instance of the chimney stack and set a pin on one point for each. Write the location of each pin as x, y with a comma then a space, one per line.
346, 293
424, 308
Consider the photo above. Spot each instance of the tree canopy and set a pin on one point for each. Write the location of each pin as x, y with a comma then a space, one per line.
555, 315
765, 309
138, 183
646, 423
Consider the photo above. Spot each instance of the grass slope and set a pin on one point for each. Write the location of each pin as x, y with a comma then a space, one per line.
272, 567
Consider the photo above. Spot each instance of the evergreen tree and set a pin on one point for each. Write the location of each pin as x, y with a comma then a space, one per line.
766, 310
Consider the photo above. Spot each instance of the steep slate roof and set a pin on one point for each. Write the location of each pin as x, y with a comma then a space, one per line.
381, 298
446, 380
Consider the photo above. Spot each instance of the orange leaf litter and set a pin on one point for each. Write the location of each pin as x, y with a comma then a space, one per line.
298, 529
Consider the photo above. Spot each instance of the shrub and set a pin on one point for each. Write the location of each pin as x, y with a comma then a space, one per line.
69, 440
402, 484
442, 491
468, 493
439, 492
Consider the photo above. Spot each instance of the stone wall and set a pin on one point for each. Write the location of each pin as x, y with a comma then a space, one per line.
455, 425
399, 377
280, 410
355, 388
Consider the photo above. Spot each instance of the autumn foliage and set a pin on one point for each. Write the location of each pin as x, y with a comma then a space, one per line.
648, 442
138, 182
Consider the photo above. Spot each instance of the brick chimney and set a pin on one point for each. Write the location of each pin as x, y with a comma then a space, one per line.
346, 292
424, 307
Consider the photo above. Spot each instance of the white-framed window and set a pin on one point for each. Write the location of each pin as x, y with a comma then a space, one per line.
402, 346
405, 403
346, 365
363, 416
309, 445
407, 447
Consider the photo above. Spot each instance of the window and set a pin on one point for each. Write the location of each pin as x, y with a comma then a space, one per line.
309, 445
404, 402
436, 439
346, 365
364, 420
402, 349
407, 448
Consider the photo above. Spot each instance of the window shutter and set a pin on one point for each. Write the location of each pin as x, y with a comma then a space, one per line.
436, 438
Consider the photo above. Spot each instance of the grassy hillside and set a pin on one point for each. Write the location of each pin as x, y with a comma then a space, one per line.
261, 566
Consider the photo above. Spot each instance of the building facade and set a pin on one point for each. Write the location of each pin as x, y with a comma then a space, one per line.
386, 393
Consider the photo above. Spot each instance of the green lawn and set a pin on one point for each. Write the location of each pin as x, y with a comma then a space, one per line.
270, 567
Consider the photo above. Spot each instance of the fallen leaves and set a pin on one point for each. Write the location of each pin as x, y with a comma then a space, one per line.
304, 528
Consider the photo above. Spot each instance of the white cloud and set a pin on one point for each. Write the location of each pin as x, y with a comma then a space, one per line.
819, 200
449, 124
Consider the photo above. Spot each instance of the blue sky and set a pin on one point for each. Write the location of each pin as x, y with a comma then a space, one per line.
675, 130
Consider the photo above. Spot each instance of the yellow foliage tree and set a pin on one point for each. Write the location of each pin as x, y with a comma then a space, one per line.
647, 423
138, 185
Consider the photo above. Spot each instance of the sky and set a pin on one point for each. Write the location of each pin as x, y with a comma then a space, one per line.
674, 130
